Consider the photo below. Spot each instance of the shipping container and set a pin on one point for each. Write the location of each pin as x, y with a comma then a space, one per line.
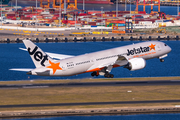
119, 25
141, 12
118, 31
118, 21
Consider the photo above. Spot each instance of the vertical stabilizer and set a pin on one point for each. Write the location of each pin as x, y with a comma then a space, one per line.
39, 57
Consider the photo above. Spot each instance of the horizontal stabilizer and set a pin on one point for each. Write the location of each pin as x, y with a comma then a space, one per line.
21, 69
23, 49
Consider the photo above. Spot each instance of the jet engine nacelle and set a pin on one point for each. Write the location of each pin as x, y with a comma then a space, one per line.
136, 64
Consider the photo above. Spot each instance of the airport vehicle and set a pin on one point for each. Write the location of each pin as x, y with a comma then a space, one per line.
161, 31
132, 57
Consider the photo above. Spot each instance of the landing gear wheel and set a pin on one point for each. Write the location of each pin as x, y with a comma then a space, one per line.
111, 75
94, 74
161, 60
107, 75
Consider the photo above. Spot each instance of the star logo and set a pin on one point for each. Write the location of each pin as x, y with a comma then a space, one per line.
152, 47
54, 66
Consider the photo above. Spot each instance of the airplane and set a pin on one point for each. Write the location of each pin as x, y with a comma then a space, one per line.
132, 57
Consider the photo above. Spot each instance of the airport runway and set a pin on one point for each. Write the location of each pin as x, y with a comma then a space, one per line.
90, 103
6, 32
90, 84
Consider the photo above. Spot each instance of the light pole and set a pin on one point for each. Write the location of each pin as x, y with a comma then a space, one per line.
59, 12
65, 6
36, 16
16, 5
1, 13
125, 5
178, 8
116, 8
130, 8
101, 18
83, 5
75, 20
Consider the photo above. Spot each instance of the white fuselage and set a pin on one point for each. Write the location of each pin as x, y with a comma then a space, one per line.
97, 60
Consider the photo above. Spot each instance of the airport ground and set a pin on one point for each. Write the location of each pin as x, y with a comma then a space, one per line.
13, 36
89, 96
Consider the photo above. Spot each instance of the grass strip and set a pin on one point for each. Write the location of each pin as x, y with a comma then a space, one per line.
87, 94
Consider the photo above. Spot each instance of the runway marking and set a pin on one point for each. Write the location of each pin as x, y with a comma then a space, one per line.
35, 86
112, 83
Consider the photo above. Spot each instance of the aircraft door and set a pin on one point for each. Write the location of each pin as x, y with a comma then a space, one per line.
158, 47
64, 66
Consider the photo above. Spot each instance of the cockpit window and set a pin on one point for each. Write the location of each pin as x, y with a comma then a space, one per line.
165, 45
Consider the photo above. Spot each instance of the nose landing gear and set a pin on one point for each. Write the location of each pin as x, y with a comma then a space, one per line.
161, 60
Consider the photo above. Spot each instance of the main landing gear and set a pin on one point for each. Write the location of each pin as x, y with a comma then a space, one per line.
105, 71
108, 75
94, 74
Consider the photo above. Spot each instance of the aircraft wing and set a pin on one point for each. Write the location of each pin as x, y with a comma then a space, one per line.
54, 55
58, 56
119, 60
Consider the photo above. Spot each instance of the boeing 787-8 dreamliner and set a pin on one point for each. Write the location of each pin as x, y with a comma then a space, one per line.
132, 57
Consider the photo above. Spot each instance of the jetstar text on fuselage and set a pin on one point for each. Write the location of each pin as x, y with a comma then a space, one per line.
138, 50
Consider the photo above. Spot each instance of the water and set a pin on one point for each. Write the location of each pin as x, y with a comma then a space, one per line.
115, 117
171, 10
13, 57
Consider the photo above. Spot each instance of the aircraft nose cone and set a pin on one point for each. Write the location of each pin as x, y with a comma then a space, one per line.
169, 49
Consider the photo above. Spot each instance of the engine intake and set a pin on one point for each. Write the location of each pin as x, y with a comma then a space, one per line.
136, 64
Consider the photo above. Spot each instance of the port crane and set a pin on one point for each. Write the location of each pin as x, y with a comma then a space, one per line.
56, 4
45, 6
148, 3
